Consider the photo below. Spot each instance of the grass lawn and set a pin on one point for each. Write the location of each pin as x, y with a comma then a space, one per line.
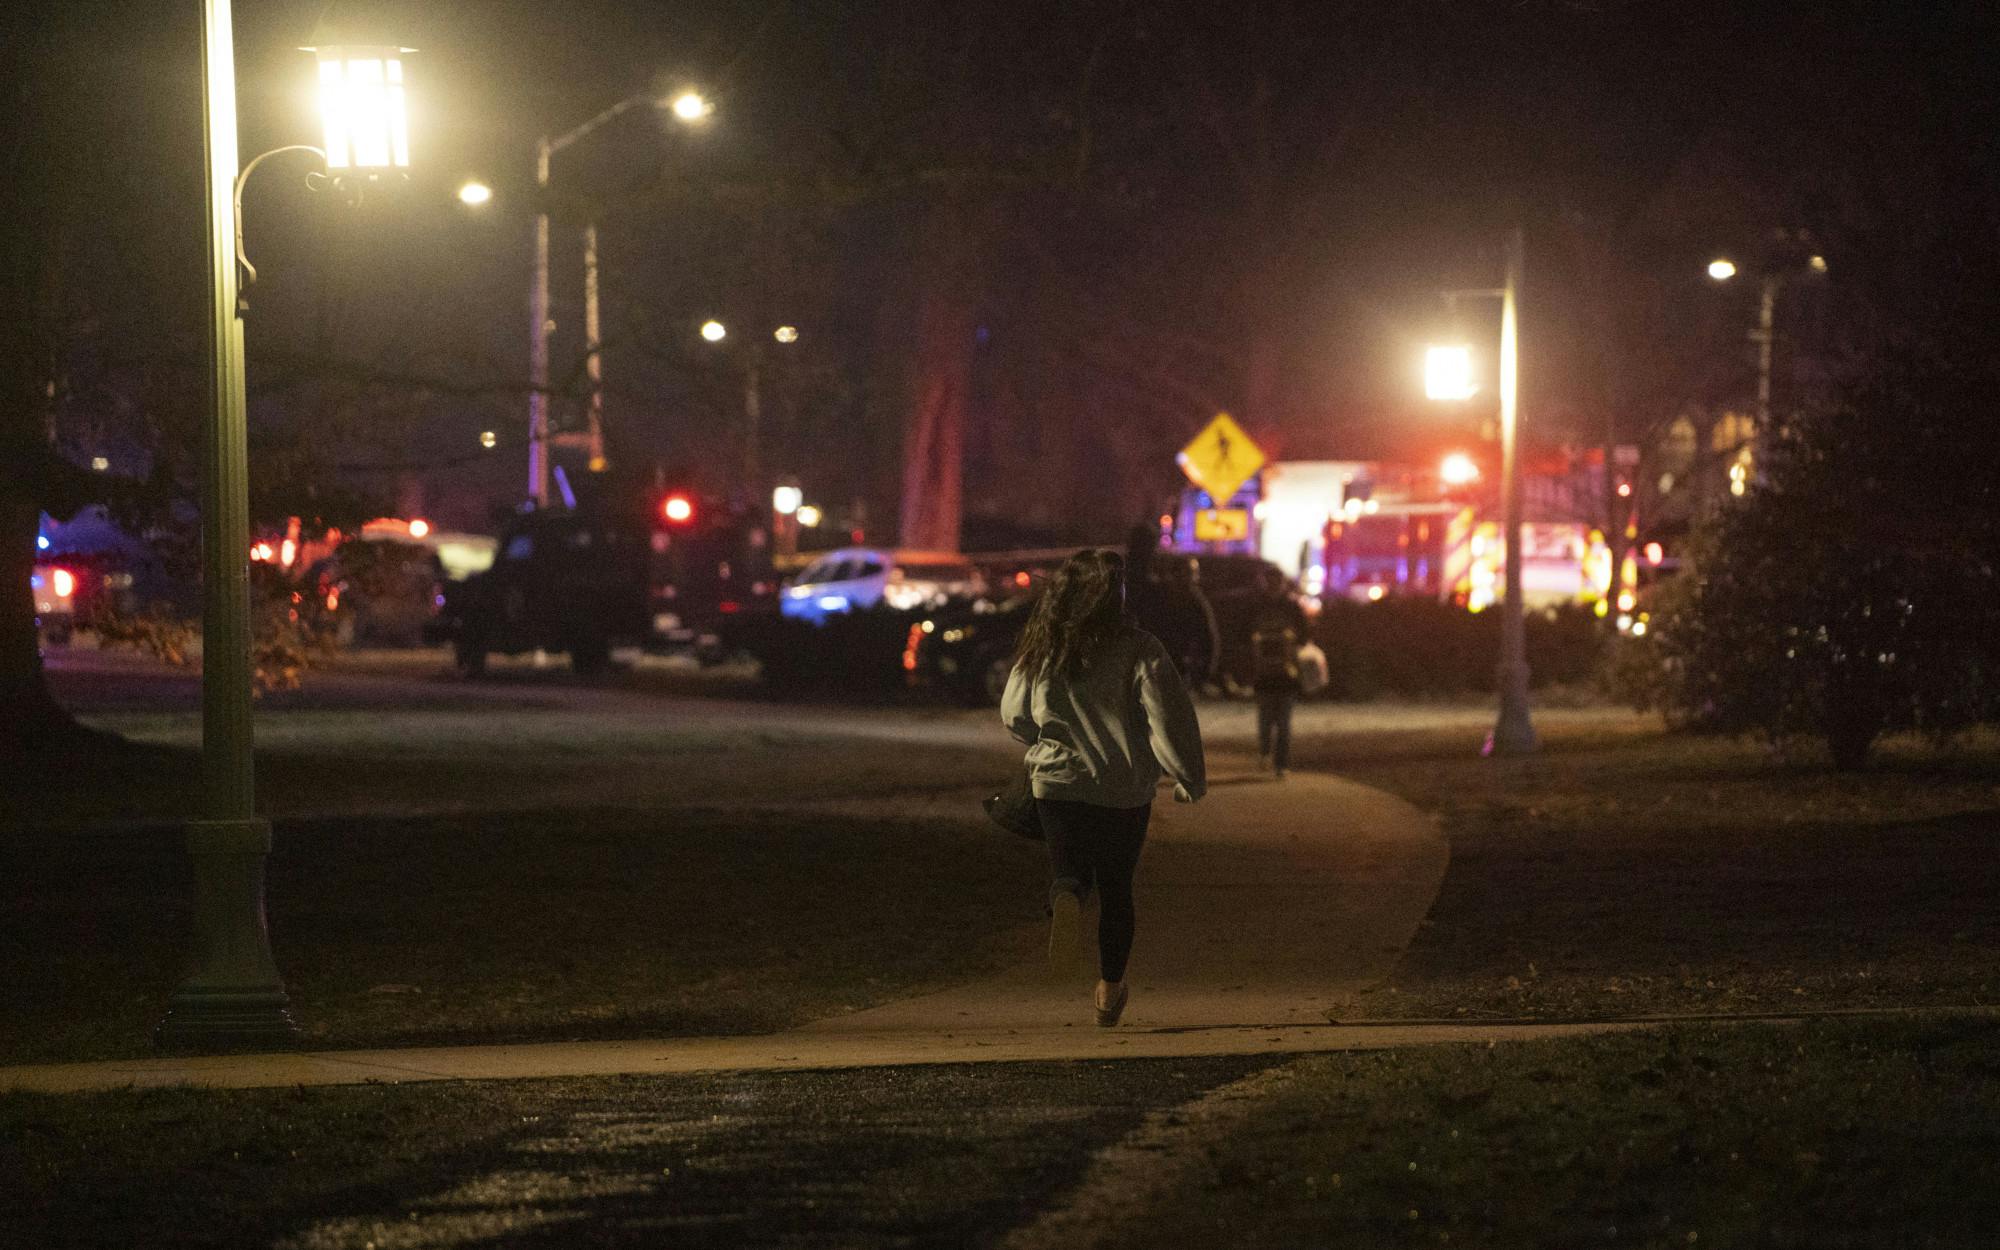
1631, 871
544, 925
1823, 1136
873, 1157
1828, 1135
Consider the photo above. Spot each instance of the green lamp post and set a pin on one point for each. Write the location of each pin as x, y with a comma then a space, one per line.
234, 998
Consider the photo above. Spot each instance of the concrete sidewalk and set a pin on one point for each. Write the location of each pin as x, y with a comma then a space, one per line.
1258, 909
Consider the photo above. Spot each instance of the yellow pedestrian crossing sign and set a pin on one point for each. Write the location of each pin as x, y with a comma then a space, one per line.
1221, 458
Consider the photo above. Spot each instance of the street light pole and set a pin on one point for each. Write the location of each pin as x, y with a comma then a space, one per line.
1514, 732
235, 996
593, 344
691, 109
1448, 375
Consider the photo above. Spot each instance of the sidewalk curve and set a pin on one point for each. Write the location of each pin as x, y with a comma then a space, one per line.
1258, 908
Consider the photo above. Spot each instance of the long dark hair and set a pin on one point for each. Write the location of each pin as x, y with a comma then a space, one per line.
1082, 608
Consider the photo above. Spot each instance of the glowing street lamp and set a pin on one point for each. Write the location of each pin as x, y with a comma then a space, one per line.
475, 193
785, 500
691, 106
1448, 373
809, 516
1458, 469
1722, 270
786, 334
363, 107
714, 331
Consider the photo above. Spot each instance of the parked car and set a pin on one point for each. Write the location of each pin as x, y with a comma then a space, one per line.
966, 649
55, 590
561, 581
378, 593
706, 578
856, 578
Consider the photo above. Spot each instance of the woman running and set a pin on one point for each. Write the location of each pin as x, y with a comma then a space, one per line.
1103, 711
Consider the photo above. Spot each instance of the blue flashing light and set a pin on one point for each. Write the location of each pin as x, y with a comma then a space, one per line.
41, 542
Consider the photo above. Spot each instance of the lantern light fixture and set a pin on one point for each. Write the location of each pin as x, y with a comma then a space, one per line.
1448, 373
364, 107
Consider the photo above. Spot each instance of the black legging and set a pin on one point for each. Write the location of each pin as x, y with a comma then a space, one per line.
1096, 845
1274, 726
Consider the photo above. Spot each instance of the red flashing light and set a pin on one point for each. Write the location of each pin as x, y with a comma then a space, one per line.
63, 582
677, 509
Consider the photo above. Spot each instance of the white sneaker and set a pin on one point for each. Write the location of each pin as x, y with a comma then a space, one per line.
1065, 930
1111, 1002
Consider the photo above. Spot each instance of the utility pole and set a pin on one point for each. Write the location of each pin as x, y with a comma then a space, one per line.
753, 421
538, 336
1767, 309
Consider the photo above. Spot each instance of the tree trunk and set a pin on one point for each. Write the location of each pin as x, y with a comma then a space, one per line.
1854, 715
934, 436
31, 188
32, 720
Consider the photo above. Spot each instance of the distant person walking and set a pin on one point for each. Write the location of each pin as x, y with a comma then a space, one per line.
1163, 597
1277, 631
1103, 711
1189, 631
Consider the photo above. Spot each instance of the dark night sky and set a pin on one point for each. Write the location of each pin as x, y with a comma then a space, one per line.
1677, 129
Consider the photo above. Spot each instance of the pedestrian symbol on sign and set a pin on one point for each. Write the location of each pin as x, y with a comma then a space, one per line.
1221, 458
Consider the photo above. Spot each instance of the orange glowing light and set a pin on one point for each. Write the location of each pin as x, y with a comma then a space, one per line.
1655, 553
677, 509
419, 527
64, 583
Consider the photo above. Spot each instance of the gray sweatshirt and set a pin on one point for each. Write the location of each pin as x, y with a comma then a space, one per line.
1104, 735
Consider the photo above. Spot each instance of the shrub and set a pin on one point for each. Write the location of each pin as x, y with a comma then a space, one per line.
1857, 590
1422, 648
